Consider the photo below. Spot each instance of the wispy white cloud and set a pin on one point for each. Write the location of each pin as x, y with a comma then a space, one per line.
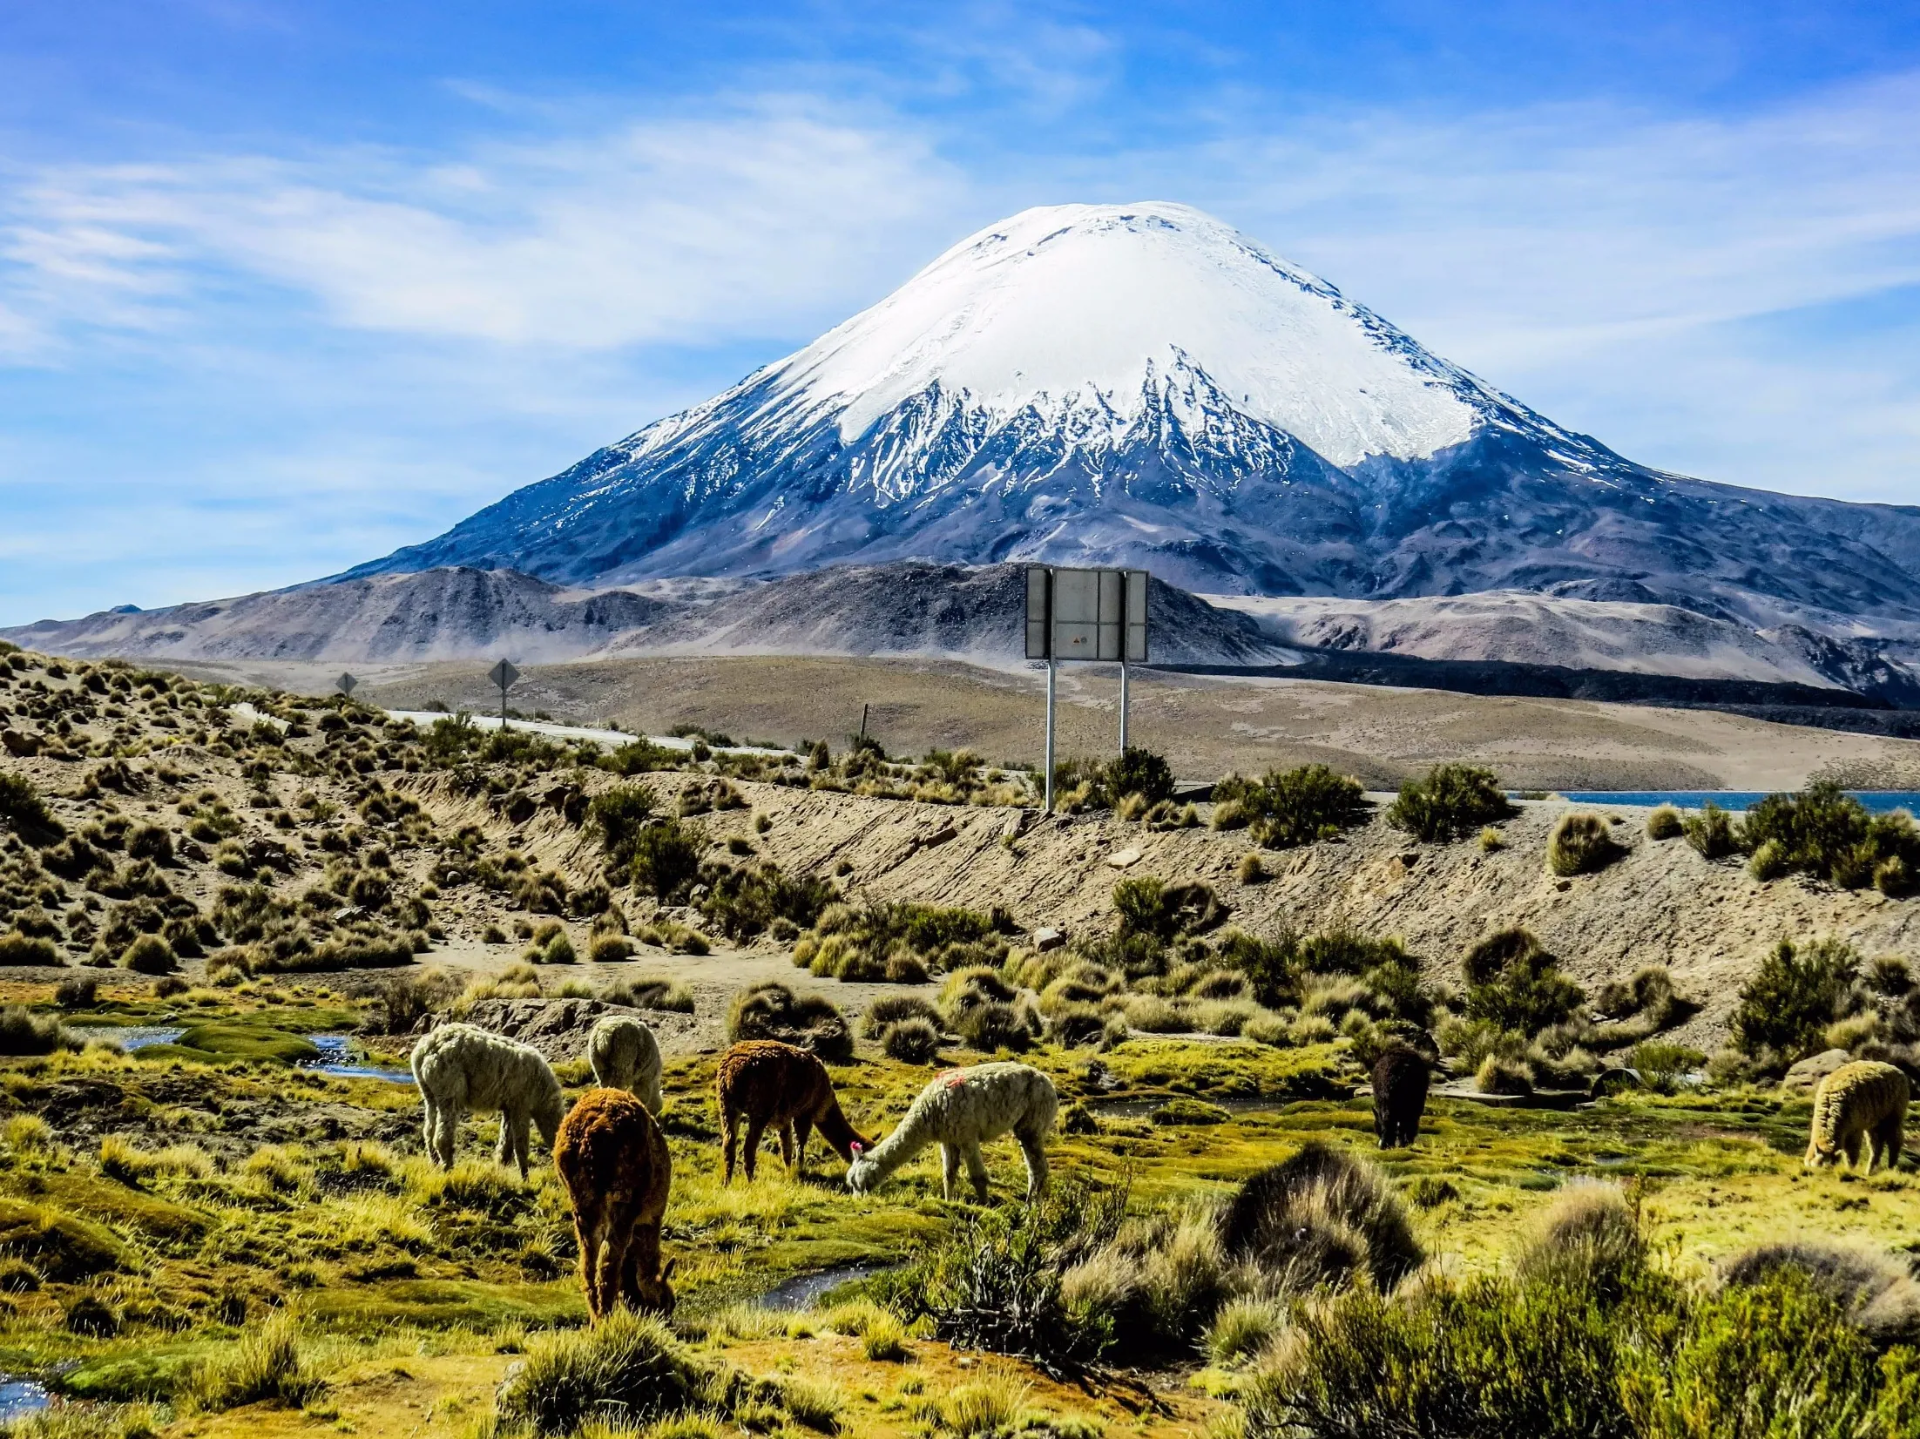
662, 232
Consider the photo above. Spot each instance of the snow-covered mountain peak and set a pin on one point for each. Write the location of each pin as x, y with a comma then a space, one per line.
1093, 307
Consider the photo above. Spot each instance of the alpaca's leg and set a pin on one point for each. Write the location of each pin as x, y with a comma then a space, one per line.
429, 1118
756, 1126
618, 1238
503, 1147
802, 1132
949, 1169
446, 1127
976, 1170
786, 1144
1852, 1147
643, 1257
586, 1230
1033, 1148
653, 1098
1885, 1153
521, 1123
727, 1136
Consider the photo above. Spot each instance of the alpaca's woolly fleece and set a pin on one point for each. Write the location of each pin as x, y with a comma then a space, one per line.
960, 1110
1400, 1079
462, 1069
614, 1164
625, 1055
767, 1083
1863, 1104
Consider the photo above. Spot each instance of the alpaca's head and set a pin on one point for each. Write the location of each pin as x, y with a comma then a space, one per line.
862, 1172
548, 1113
1820, 1156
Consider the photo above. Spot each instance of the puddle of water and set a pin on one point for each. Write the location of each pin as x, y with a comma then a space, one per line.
336, 1058
131, 1036
21, 1397
805, 1290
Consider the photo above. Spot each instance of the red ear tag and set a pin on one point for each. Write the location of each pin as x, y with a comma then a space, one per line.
857, 1147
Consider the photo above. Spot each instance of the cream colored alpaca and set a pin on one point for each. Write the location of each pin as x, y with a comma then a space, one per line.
461, 1068
960, 1110
1863, 1103
625, 1055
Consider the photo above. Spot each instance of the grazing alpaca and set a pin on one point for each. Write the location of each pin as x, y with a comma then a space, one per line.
613, 1161
1400, 1079
1863, 1102
460, 1069
960, 1110
770, 1083
625, 1055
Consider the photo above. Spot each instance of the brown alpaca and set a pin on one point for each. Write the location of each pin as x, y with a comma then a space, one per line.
773, 1083
613, 1161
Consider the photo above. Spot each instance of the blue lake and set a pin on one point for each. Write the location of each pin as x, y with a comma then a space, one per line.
1880, 801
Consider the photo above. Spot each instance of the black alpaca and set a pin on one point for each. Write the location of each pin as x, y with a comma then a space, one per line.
1399, 1096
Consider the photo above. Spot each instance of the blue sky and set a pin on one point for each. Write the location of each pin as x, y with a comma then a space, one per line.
286, 285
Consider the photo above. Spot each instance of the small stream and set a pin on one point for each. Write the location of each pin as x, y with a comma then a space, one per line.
337, 1056
20, 1398
804, 1290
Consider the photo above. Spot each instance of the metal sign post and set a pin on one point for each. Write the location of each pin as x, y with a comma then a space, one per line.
1085, 615
503, 674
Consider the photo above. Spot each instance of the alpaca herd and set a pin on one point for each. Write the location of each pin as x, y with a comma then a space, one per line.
613, 1160
612, 1157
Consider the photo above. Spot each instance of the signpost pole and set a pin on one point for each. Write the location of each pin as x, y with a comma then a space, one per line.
503, 674
1123, 704
1053, 666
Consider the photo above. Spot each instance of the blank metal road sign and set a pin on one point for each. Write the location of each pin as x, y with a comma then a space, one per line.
346, 684
503, 674
1086, 614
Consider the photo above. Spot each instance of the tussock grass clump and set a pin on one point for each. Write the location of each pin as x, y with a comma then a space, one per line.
24, 1032
1589, 1235
651, 991
1321, 1218
770, 1010
1711, 832
149, 954
899, 943
1513, 983
1876, 1291
1665, 823
1500, 1075
25, 812
628, 1368
1451, 802
1581, 844
19, 950
989, 1013
912, 1041
1243, 1328
263, 1365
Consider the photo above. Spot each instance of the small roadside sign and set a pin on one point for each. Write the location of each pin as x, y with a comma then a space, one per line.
346, 684
503, 674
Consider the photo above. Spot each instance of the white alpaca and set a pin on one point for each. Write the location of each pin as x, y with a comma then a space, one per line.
960, 1110
460, 1069
625, 1055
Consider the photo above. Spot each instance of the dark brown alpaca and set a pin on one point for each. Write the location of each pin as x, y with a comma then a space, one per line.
613, 1161
770, 1083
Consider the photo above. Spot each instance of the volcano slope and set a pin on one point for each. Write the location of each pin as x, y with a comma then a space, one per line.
160, 1206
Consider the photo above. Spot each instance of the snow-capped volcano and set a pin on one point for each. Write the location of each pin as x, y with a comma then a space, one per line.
1099, 313
1143, 385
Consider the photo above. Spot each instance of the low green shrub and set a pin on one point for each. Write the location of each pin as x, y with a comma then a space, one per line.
1293, 807
1138, 771
616, 816
1451, 802
1798, 990
1516, 985
24, 1032
666, 857
1165, 912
